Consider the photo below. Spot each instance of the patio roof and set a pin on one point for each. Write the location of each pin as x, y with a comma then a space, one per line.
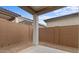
40, 9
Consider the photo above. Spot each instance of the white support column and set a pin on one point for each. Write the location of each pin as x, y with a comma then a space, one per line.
35, 30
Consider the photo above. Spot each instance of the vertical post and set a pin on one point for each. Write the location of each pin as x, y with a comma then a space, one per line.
35, 30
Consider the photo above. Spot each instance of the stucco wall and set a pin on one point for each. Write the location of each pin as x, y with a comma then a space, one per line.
64, 21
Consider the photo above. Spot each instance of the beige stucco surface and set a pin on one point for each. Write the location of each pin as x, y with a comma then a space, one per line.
64, 21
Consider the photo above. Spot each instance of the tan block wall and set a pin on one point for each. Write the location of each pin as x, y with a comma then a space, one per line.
13, 34
64, 35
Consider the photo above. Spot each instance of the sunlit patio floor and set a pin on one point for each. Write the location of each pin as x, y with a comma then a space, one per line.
41, 49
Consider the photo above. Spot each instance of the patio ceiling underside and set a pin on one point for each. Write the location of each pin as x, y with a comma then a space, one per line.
40, 9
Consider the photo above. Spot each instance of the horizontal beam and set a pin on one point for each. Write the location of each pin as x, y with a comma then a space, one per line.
48, 9
41, 11
28, 9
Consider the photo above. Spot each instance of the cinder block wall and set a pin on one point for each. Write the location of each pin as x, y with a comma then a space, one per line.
14, 34
62, 31
65, 36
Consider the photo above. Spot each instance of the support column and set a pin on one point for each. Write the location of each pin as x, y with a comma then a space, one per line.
35, 30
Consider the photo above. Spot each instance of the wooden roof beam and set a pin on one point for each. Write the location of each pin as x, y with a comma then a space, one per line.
41, 11
28, 9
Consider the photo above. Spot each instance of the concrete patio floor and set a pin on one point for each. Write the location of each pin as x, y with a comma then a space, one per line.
41, 49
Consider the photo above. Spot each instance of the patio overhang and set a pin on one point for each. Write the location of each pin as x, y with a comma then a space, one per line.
36, 11
40, 9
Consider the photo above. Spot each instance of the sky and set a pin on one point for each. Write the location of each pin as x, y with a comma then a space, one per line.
18, 11
60, 12
57, 13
